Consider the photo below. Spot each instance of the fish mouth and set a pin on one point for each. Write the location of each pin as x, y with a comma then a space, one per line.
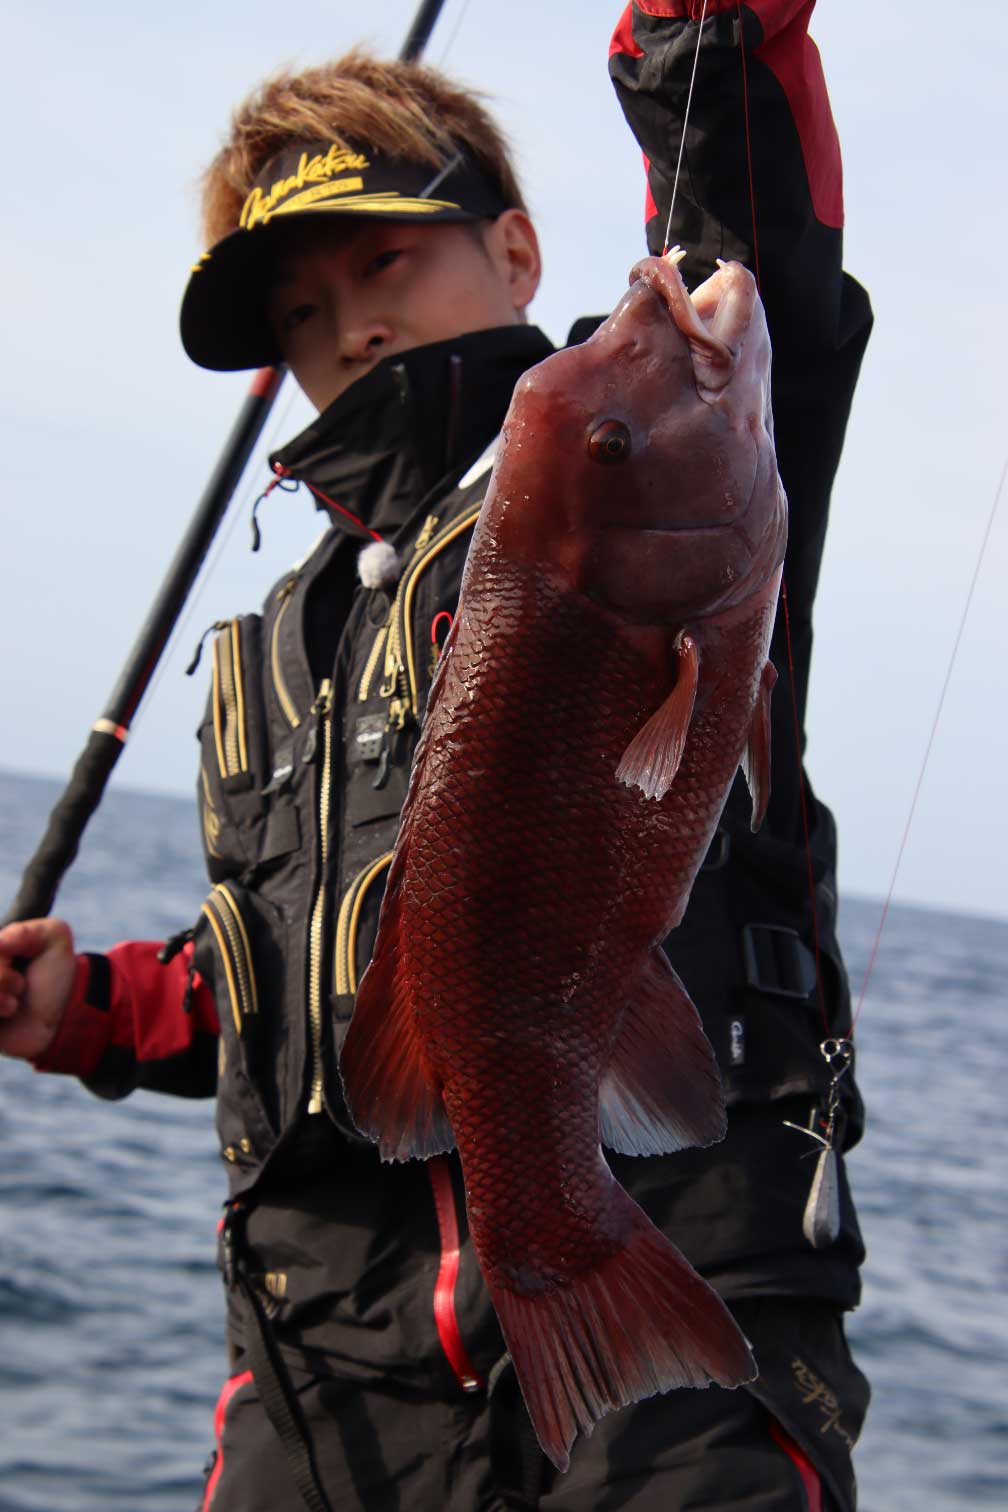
714, 359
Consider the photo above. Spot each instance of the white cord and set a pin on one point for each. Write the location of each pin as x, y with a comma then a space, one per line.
682, 144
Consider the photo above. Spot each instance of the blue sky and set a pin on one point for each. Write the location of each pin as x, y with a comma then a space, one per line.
108, 432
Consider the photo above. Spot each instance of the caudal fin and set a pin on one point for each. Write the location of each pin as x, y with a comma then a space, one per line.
641, 1322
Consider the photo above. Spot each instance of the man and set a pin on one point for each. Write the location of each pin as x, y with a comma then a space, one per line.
366, 227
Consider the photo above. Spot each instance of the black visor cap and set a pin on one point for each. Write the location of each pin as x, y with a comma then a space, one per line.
223, 320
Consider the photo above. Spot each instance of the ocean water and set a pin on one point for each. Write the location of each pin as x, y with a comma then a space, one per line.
111, 1352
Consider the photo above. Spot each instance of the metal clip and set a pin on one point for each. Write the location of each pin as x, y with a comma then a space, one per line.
821, 1219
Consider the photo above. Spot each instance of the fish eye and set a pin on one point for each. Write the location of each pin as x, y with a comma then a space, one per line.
609, 442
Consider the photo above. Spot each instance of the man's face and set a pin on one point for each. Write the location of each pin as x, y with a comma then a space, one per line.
346, 295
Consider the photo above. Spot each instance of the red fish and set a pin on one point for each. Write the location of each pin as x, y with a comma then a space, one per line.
605, 676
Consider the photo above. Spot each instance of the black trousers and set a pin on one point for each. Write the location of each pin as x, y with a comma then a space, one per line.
782, 1446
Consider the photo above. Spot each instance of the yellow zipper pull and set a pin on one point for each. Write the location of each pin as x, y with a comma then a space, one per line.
320, 711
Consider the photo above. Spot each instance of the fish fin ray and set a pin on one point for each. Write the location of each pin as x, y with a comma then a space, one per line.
640, 1322
756, 757
390, 1092
661, 1091
652, 758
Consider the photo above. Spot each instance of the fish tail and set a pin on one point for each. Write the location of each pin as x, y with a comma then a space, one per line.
640, 1322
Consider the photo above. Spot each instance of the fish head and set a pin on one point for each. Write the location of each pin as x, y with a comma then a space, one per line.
639, 467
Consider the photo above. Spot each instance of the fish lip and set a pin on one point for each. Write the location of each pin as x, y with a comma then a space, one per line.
663, 279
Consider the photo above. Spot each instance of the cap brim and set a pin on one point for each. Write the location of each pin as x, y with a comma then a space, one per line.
223, 320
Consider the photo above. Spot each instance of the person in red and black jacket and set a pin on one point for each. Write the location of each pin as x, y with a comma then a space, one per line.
367, 1366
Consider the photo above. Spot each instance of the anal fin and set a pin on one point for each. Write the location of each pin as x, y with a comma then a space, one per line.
756, 758
662, 1089
652, 758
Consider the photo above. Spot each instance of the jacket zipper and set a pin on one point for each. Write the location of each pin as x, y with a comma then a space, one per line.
399, 685
282, 692
364, 689
321, 709
233, 942
381, 639
229, 702
345, 973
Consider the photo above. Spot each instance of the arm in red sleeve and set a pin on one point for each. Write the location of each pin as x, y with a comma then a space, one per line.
760, 182
761, 178
133, 1022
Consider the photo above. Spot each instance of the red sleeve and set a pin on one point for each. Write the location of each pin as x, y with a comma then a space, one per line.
135, 1022
761, 177
760, 181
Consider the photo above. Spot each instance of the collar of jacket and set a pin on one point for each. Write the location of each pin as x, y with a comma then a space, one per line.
412, 426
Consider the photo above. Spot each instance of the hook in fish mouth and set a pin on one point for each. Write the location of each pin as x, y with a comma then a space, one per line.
713, 360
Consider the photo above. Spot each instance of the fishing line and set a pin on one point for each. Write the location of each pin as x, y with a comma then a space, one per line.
803, 804
748, 146
802, 795
682, 143
821, 1215
457, 28
931, 738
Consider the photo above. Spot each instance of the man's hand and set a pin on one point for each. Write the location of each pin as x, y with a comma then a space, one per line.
32, 1002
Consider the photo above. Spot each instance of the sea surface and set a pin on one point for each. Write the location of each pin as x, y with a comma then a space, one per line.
111, 1353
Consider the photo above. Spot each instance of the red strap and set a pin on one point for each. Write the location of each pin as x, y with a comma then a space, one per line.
220, 1413
809, 1475
444, 1290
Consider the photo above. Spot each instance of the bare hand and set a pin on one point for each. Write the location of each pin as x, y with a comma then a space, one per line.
32, 1003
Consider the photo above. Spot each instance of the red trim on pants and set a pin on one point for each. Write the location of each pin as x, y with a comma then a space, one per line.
809, 1475
220, 1412
445, 1316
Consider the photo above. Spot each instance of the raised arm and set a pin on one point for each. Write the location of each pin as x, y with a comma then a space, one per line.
760, 181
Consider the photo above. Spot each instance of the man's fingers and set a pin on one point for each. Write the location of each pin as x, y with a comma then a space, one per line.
29, 939
12, 986
36, 978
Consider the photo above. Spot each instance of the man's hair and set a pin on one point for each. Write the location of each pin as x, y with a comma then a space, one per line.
400, 109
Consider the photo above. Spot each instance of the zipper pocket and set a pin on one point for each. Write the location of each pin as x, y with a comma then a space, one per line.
284, 699
232, 939
347, 922
229, 720
400, 680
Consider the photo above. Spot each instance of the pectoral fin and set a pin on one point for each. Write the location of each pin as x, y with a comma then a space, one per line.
756, 759
652, 758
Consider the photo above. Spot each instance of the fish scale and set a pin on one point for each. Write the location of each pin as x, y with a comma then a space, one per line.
460, 966
604, 677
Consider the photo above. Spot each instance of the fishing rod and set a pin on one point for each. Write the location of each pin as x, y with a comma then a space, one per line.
108, 735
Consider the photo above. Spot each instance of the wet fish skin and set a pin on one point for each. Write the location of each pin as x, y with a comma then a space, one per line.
604, 677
